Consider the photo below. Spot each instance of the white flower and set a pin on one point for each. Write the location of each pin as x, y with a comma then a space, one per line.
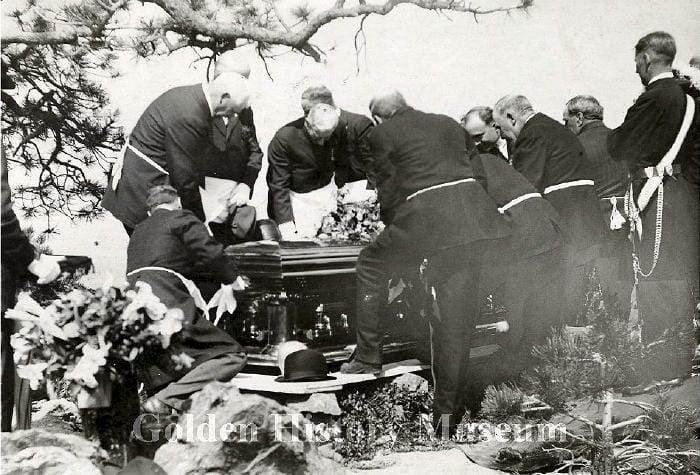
144, 297
33, 372
183, 360
28, 310
71, 330
170, 324
77, 297
88, 365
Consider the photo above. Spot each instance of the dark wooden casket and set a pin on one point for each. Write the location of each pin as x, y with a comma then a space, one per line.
305, 291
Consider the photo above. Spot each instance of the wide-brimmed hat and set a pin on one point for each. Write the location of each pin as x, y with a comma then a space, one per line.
305, 365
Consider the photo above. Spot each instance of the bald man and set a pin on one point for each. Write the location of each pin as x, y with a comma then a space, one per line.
434, 209
230, 172
169, 143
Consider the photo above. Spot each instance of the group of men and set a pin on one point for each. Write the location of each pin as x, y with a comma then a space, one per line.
508, 187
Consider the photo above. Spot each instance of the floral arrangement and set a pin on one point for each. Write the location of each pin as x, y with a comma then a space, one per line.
76, 335
357, 221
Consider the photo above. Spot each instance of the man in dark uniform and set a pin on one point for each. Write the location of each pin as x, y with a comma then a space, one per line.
19, 259
165, 251
168, 143
554, 161
302, 159
479, 124
434, 209
534, 249
662, 177
229, 174
583, 115
353, 128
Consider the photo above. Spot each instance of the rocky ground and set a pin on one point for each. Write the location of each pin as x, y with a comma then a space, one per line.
53, 447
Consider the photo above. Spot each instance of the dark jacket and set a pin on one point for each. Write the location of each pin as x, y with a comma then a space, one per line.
177, 240
610, 176
413, 151
647, 133
535, 223
356, 129
651, 126
299, 165
547, 153
17, 252
175, 132
237, 155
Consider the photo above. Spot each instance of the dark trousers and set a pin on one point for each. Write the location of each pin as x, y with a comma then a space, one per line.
454, 273
533, 287
577, 263
220, 368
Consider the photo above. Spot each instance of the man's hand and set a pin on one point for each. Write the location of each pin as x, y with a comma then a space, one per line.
46, 268
288, 231
240, 196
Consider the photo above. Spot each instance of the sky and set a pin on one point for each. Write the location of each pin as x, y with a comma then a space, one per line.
444, 63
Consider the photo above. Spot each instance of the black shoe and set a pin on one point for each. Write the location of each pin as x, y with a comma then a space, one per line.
355, 366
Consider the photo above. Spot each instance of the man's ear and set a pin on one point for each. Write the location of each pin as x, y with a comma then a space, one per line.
579, 119
512, 119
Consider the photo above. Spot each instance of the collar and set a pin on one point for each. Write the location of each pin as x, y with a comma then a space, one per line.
594, 124
502, 147
205, 89
666, 75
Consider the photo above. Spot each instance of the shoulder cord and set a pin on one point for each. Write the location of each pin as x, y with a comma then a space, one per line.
635, 221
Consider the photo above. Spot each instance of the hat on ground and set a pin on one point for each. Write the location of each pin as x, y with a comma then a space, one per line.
287, 348
305, 365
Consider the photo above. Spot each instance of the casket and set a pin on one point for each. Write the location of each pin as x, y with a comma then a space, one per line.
305, 291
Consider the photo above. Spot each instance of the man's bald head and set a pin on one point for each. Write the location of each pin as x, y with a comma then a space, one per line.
386, 103
231, 62
510, 113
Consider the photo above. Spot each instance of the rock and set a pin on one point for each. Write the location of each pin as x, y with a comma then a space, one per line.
13, 442
326, 403
412, 382
142, 466
46, 461
226, 432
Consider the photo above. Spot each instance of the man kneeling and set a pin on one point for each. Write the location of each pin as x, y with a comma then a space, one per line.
165, 251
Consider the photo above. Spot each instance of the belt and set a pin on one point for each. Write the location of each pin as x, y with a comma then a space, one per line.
649, 172
441, 185
568, 184
518, 200
191, 286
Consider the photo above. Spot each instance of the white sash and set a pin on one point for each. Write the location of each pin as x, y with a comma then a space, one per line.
568, 184
666, 163
310, 208
191, 286
215, 196
518, 200
118, 166
441, 185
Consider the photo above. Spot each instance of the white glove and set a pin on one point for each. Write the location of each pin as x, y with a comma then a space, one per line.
46, 268
224, 300
240, 195
288, 231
